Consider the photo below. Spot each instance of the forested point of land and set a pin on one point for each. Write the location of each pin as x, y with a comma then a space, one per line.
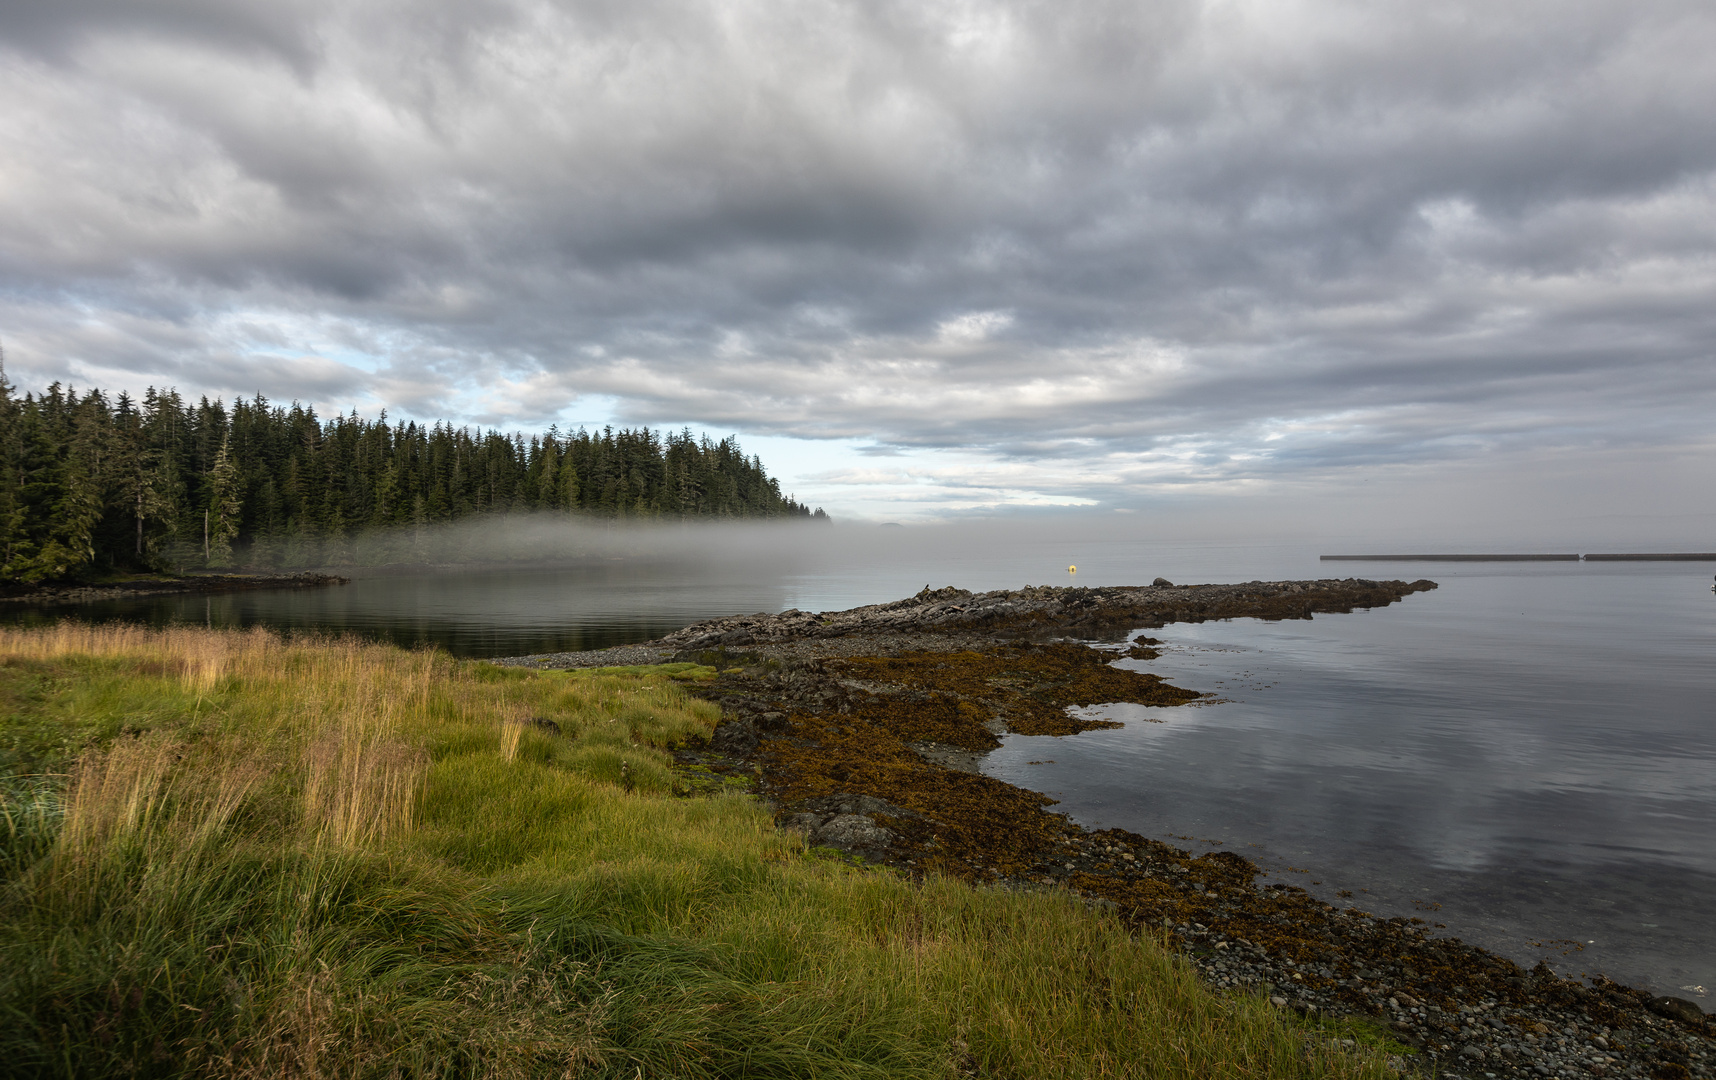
96, 484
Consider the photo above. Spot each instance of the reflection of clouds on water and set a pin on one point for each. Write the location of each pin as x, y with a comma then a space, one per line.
1531, 750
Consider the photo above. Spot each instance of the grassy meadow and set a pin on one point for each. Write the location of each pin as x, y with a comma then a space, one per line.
229, 854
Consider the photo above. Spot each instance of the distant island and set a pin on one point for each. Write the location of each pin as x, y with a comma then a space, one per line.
94, 484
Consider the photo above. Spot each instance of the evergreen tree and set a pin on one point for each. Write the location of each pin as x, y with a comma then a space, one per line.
224, 509
88, 484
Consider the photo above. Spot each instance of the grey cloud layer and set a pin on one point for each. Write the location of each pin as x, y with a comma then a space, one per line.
1253, 238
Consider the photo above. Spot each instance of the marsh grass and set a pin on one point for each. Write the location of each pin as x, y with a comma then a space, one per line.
229, 854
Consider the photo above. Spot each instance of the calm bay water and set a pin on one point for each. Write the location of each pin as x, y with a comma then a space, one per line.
1527, 754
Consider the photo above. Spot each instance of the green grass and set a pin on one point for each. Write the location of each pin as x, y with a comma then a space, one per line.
229, 855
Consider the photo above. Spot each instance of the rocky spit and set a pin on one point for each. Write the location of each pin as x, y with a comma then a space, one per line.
1064, 611
801, 693
957, 618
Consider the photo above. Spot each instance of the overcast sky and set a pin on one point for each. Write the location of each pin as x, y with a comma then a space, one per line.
924, 257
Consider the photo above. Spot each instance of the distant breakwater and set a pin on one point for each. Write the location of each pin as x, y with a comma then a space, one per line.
1629, 556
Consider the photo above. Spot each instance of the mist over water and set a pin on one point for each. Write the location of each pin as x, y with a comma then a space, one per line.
1530, 747
530, 584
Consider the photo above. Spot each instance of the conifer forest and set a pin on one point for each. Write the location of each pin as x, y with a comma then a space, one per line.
97, 484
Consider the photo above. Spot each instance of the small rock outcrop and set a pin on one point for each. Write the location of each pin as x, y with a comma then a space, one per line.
1677, 1009
847, 822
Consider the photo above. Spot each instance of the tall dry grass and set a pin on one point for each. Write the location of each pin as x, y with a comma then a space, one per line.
323, 858
341, 716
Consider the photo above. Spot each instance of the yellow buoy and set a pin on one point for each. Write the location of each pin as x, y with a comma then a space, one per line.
1072, 569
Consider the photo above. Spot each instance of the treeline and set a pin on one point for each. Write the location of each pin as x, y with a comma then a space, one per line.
93, 483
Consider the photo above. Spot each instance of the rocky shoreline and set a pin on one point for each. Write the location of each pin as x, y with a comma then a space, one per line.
140, 587
865, 728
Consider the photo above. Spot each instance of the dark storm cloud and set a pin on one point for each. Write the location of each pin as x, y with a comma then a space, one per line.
1166, 242
57, 27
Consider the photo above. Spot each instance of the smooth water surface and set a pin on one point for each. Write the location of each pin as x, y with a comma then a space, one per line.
1527, 755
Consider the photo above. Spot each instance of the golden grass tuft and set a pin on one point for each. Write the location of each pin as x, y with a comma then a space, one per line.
359, 787
116, 792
